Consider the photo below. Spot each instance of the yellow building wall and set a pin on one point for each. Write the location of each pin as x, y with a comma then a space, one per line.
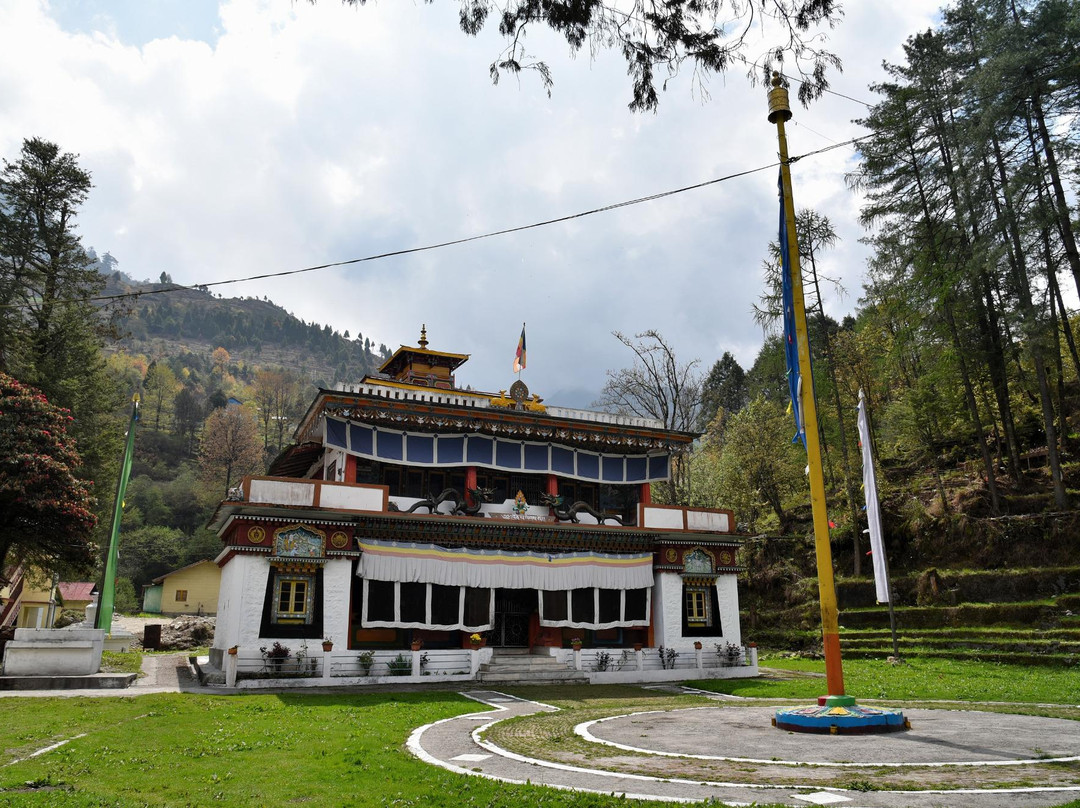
197, 586
34, 606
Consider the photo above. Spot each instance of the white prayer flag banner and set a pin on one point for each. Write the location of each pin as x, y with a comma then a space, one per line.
873, 511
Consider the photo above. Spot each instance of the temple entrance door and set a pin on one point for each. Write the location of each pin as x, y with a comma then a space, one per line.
513, 607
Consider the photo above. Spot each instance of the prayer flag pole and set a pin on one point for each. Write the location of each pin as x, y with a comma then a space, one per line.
779, 113
104, 616
836, 712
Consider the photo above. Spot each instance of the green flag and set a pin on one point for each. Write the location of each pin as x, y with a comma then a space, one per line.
108, 588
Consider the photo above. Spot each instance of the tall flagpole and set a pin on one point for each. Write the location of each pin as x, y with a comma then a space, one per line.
108, 589
779, 113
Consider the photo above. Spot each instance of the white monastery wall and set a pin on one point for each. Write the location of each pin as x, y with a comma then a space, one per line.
667, 610
240, 601
337, 580
727, 592
301, 492
663, 518
668, 607
348, 498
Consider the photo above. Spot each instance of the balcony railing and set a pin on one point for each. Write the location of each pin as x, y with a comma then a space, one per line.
334, 496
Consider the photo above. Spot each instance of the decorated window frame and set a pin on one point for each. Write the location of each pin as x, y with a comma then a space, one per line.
292, 607
288, 609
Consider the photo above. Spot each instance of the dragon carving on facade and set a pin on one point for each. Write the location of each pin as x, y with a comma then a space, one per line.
570, 514
479, 497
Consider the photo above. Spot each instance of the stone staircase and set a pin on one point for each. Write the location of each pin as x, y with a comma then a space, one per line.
521, 667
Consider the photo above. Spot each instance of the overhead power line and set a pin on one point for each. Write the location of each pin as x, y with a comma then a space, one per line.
454, 242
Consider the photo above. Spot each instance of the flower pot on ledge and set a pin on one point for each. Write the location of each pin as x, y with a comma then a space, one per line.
697, 646
417, 645
638, 646
328, 647
233, 650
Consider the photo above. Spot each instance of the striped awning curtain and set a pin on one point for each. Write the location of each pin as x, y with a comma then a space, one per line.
429, 563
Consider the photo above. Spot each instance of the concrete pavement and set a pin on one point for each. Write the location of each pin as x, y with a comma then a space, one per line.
949, 758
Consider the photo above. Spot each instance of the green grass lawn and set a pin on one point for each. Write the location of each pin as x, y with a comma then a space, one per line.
121, 662
348, 750
916, 679
192, 750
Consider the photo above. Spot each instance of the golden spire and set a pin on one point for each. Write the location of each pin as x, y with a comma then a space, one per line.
423, 336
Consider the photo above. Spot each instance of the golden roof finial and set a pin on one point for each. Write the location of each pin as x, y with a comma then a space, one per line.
423, 336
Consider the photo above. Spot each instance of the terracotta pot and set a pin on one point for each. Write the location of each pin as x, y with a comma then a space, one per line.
752, 645
232, 651
638, 646
417, 644
697, 646
475, 646
328, 647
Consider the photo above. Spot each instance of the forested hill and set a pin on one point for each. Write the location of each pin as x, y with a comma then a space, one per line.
254, 330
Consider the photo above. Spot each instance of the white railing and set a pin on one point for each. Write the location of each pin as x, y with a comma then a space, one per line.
399, 663
605, 418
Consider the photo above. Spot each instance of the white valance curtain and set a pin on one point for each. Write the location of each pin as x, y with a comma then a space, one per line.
429, 563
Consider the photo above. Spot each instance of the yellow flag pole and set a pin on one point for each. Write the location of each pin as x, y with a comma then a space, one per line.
780, 113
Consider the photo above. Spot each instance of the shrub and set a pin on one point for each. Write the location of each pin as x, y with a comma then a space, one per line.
400, 666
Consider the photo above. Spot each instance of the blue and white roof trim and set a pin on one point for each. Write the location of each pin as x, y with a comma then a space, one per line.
485, 451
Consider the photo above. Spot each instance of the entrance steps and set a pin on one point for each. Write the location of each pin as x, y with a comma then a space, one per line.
520, 666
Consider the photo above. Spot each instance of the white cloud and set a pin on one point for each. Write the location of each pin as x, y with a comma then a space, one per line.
291, 135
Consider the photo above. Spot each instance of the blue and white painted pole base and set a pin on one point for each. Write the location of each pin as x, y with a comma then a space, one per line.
840, 715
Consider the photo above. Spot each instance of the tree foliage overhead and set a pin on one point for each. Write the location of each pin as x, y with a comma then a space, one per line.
656, 39
46, 512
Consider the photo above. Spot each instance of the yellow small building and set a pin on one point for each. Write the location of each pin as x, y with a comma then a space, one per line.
191, 590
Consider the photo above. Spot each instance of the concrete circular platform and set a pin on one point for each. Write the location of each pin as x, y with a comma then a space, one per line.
936, 738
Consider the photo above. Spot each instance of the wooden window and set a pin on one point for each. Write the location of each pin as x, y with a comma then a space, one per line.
293, 598
697, 607
181, 595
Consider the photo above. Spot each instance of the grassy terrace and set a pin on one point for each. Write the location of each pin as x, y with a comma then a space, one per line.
348, 750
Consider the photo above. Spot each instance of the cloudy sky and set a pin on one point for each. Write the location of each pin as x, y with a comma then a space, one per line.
234, 138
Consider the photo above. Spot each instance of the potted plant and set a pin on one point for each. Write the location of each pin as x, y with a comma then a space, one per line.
475, 640
328, 644
417, 645
275, 655
575, 643
697, 645
365, 659
233, 650
399, 666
